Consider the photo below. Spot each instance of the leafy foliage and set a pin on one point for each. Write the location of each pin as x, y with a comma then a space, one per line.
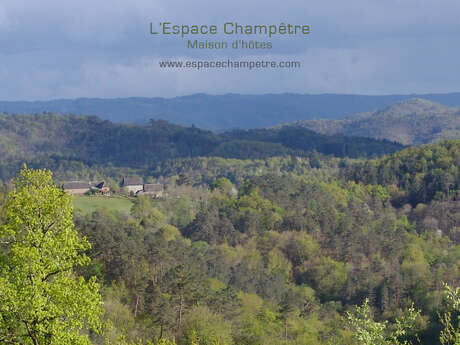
451, 320
369, 332
414, 175
277, 250
42, 300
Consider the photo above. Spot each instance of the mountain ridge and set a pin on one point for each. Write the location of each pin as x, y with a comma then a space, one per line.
410, 122
222, 112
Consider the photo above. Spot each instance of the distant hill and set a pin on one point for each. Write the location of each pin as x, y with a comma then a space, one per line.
414, 175
410, 122
93, 140
224, 111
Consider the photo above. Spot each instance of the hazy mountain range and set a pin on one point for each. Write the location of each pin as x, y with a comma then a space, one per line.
410, 122
224, 111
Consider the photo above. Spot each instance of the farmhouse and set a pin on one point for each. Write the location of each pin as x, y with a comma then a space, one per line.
100, 188
155, 190
132, 184
76, 187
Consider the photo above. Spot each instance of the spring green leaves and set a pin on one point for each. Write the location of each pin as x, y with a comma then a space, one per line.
42, 300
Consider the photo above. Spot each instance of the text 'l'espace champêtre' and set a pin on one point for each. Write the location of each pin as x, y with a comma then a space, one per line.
230, 28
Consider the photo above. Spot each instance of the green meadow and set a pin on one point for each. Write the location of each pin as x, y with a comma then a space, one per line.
88, 204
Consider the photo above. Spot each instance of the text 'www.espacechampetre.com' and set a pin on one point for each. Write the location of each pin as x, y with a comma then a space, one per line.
248, 64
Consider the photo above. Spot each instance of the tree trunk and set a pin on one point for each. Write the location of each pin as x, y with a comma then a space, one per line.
136, 306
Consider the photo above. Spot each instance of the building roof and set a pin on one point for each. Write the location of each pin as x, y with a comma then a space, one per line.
76, 185
100, 185
153, 187
132, 181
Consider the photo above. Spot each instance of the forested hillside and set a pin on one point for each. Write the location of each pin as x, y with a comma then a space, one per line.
415, 175
410, 122
275, 241
92, 140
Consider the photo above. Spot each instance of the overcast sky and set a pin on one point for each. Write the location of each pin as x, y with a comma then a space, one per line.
92, 48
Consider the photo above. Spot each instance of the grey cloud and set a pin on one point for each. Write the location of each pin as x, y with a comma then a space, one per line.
55, 49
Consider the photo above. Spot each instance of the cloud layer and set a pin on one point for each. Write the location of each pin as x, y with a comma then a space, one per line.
60, 49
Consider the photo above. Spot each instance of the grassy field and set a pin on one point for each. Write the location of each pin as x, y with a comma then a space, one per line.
88, 204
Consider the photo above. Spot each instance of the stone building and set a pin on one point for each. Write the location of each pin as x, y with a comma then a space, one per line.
132, 184
155, 190
76, 187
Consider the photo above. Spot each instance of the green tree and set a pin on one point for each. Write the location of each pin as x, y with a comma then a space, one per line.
224, 185
143, 210
203, 327
42, 300
370, 332
451, 320
181, 281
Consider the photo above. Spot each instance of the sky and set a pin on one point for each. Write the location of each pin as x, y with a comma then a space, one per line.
52, 49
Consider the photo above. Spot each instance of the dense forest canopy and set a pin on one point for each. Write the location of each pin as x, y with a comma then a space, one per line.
94, 141
415, 175
265, 236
